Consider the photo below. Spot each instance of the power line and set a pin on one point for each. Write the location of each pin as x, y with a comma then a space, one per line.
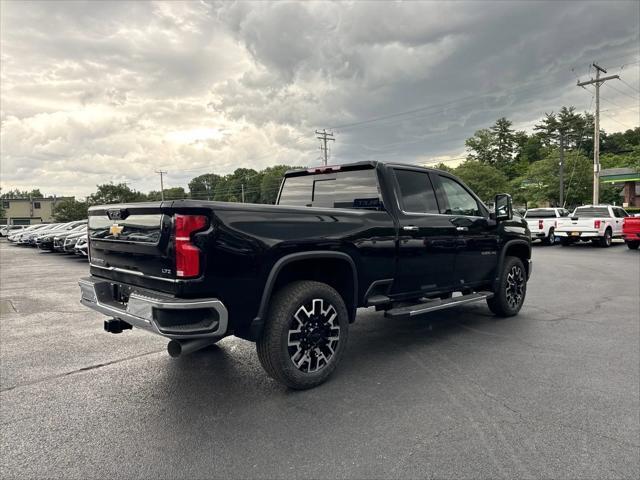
623, 93
618, 121
630, 86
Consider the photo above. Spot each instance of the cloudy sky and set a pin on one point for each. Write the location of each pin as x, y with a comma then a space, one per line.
93, 92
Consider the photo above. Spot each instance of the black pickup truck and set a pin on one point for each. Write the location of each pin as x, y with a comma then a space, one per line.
403, 239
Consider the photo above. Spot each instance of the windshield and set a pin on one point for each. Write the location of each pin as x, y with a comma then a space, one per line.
344, 189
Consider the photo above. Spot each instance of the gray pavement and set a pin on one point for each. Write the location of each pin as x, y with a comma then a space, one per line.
552, 393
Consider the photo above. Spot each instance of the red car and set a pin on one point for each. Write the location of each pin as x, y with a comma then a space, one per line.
631, 232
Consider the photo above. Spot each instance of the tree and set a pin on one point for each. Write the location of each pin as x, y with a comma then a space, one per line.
479, 146
203, 186
69, 210
443, 167
503, 144
547, 129
270, 184
541, 185
486, 181
174, 193
15, 193
115, 193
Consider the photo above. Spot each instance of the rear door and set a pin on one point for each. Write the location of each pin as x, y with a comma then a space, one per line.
476, 236
426, 239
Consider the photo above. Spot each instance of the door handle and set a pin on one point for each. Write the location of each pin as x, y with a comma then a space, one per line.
462, 229
410, 228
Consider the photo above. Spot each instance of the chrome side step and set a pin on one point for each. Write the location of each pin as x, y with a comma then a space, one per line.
433, 305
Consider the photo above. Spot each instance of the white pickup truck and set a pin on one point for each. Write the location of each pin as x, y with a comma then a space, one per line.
543, 223
598, 223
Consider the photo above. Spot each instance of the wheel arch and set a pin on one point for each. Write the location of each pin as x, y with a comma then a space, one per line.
336, 269
514, 248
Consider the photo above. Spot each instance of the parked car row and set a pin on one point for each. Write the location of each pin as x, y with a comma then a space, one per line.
70, 237
599, 224
7, 230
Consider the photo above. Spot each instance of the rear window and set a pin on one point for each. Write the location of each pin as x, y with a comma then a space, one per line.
591, 212
540, 213
416, 192
135, 228
343, 189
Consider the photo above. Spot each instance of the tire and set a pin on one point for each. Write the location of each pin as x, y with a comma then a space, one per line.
303, 340
508, 299
605, 242
632, 244
551, 238
565, 242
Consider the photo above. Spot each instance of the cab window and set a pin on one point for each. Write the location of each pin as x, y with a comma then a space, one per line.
620, 213
416, 192
458, 200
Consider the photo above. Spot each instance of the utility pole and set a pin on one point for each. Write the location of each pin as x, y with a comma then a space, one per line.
561, 169
161, 173
596, 131
324, 137
242, 186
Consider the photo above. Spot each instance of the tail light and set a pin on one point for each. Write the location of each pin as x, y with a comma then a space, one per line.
540, 224
596, 224
187, 254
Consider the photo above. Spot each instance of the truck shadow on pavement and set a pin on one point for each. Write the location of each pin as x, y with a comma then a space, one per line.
229, 375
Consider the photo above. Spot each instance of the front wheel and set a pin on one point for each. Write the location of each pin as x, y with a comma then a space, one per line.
305, 335
512, 288
632, 244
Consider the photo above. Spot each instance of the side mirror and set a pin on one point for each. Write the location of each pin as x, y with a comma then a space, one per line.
504, 207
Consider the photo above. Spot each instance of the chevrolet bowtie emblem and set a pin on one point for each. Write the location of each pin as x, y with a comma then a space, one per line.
115, 229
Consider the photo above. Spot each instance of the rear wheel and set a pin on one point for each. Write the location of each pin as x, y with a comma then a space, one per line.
512, 288
305, 336
605, 241
632, 244
551, 238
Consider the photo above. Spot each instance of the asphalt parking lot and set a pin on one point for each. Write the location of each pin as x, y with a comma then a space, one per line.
552, 393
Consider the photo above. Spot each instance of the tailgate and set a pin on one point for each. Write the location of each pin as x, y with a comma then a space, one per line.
132, 238
136, 244
579, 225
631, 225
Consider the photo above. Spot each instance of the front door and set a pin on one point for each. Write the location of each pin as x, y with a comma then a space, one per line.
426, 239
476, 234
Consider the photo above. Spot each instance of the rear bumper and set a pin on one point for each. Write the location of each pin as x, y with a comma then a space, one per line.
581, 234
174, 318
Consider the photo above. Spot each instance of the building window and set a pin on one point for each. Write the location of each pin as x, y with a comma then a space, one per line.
36, 204
5, 204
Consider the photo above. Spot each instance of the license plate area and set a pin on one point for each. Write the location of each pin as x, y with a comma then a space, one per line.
575, 234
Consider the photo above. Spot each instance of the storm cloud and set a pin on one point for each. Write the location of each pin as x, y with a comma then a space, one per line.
93, 92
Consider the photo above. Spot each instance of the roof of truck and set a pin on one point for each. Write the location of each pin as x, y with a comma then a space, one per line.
354, 166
